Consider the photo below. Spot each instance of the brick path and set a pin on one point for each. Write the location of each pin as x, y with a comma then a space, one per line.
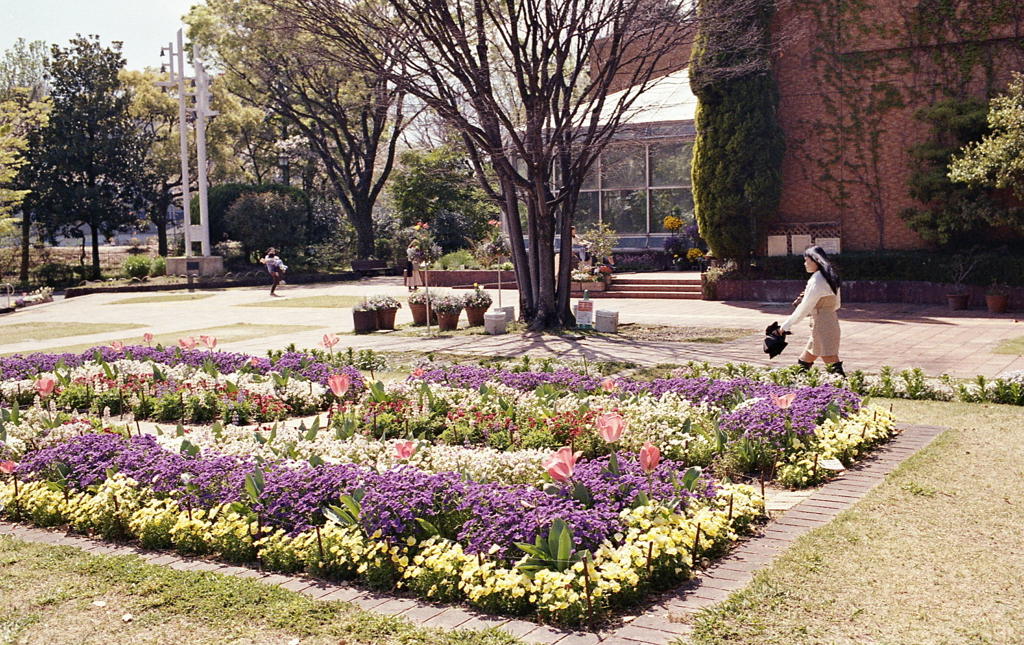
658, 625
902, 336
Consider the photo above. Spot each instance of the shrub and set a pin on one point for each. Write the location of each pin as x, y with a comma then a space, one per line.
56, 275
136, 266
158, 266
456, 259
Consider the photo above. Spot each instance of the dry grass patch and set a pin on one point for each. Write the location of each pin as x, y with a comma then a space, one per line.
1014, 346
20, 332
933, 555
51, 595
666, 333
145, 300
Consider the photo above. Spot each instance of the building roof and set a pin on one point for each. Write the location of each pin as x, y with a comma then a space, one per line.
665, 109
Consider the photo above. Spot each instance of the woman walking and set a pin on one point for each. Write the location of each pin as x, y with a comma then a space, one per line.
820, 300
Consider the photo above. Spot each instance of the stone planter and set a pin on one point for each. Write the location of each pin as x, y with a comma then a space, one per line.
386, 318
996, 304
475, 315
448, 321
364, 321
419, 315
588, 286
957, 301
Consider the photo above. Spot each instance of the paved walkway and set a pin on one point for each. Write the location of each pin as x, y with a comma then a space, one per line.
933, 338
664, 622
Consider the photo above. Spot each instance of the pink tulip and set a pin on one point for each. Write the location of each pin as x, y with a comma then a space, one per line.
649, 456
187, 342
147, 338
418, 372
608, 385
117, 345
209, 341
783, 401
404, 450
44, 386
7, 467
254, 361
561, 464
339, 384
329, 341
610, 426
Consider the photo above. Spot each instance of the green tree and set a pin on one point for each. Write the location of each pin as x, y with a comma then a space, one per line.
350, 118
738, 150
952, 214
23, 81
440, 182
262, 219
997, 161
91, 161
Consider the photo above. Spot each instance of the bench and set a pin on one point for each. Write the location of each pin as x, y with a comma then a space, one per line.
373, 267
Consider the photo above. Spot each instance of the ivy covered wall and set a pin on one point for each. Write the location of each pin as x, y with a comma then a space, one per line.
851, 73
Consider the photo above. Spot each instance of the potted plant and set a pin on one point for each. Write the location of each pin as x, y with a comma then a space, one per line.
477, 302
996, 298
605, 274
449, 309
386, 308
418, 306
364, 317
585, 278
963, 264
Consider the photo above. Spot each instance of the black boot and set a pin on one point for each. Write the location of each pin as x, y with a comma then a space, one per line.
804, 365
836, 368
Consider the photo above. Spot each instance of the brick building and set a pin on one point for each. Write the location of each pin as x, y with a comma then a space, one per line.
849, 78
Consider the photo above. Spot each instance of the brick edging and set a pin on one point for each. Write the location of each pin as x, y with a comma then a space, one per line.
653, 627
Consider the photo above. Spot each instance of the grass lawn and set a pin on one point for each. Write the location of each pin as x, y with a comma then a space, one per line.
19, 332
225, 334
180, 297
933, 555
320, 302
51, 595
1013, 346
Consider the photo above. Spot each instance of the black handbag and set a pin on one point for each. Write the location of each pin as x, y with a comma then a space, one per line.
774, 343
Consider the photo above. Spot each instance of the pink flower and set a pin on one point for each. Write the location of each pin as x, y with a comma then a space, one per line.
209, 341
561, 464
44, 386
610, 426
329, 341
187, 342
147, 338
339, 384
783, 401
418, 372
7, 467
608, 385
649, 456
254, 361
116, 345
404, 450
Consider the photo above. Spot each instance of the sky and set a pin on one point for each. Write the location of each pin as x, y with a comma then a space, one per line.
144, 26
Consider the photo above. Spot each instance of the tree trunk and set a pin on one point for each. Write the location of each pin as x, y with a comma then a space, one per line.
95, 252
26, 245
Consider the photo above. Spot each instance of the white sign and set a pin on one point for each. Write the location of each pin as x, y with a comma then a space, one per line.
832, 464
585, 313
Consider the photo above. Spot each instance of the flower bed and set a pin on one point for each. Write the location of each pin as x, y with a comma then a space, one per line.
555, 493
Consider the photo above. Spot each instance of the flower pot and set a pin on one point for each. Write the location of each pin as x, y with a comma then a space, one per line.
448, 321
419, 315
386, 318
996, 304
364, 321
957, 301
475, 315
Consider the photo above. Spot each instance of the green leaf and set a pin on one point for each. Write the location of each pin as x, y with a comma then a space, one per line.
314, 428
260, 439
217, 430
641, 499
532, 550
315, 460
158, 374
254, 485
179, 430
691, 478
111, 373
188, 448
230, 387
427, 527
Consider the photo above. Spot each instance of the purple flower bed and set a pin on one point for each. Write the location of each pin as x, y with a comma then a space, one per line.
477, 514
25, 367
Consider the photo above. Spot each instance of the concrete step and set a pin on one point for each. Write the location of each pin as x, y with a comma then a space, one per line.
659, 295
652, 282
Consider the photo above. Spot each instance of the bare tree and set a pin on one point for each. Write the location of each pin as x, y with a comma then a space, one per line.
350, 116
526, 83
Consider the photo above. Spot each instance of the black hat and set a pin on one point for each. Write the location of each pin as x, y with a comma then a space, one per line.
773, 343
